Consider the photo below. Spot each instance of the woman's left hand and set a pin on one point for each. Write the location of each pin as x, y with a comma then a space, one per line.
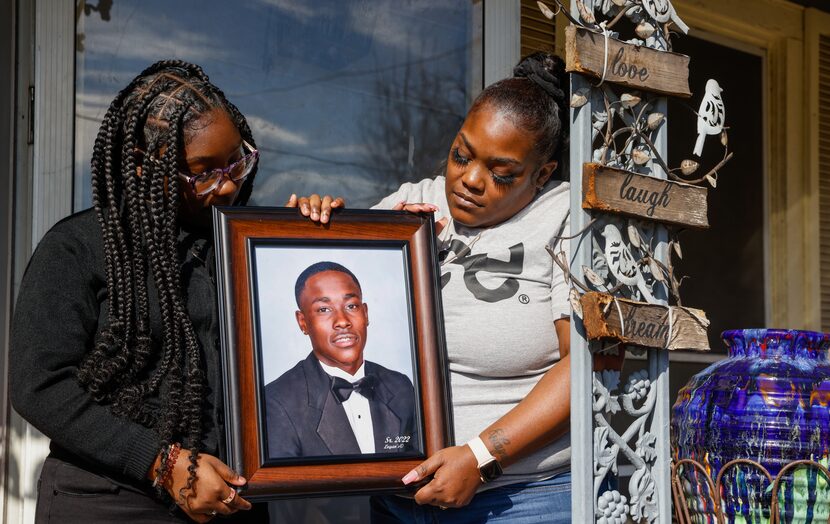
317, 208
455, 478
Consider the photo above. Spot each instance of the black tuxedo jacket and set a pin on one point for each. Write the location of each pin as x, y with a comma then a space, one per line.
304, 419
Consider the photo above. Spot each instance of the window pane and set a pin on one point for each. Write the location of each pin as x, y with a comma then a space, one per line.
343, 97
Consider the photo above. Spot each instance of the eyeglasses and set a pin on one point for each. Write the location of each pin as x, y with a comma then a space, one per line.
206, 182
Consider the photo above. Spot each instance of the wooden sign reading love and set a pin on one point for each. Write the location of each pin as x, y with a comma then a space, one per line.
627, 64
623, 192
641, 324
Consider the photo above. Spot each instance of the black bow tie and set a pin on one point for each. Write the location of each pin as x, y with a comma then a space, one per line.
342, 388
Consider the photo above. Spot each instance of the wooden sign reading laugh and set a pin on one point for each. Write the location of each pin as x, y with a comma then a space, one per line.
623, 192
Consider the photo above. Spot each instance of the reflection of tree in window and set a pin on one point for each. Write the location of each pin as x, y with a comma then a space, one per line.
409, 130
103, 8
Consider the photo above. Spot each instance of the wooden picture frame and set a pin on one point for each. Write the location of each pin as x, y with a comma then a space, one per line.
260, 252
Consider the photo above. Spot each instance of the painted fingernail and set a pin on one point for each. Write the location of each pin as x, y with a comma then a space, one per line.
410, 477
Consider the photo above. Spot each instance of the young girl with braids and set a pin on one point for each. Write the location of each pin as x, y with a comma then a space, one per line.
115, 347
506, 310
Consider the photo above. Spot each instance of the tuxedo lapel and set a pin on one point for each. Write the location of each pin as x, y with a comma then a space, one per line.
334, 429
333, 426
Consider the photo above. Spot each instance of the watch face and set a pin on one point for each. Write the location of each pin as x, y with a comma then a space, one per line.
490, 471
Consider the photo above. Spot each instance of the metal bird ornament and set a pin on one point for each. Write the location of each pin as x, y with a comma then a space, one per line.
662, 11
622, 264
711, 115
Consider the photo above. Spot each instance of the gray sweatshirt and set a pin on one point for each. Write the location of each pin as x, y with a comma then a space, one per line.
502, 293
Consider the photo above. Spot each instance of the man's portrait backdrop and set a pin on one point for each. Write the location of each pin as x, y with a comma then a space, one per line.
382, 276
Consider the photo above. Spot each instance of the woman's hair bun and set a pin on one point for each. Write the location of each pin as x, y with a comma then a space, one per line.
545, 70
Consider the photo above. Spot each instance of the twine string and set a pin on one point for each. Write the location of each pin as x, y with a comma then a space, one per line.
606, 33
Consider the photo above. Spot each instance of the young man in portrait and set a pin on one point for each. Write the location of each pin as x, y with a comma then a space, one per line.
334, 402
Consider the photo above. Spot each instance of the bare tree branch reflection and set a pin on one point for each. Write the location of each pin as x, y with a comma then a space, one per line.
103, 7
409, 129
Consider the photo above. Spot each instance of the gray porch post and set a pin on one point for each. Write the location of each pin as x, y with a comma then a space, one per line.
582, 464
652, 501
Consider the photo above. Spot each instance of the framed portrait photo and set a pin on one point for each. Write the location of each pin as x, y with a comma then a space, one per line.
333, 349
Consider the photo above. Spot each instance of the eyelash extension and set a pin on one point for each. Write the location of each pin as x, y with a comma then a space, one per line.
503, 180
498, 179
458, 159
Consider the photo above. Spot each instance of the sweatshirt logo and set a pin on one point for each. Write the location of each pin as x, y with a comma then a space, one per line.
474, 264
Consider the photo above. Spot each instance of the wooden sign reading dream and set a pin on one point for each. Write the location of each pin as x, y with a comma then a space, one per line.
642, 324
623, 192
635, 66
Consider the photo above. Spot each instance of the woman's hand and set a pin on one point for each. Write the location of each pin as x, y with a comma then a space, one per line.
315, 207
455, 478
422, 208
415, 207
214, 484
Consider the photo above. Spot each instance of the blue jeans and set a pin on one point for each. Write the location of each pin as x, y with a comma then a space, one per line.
547, 501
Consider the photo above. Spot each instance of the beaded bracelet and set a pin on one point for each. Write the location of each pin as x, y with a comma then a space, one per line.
170, 455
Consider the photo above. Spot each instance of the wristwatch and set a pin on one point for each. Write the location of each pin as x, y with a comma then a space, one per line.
489, 468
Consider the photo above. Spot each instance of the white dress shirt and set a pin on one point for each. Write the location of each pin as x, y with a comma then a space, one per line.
357, 409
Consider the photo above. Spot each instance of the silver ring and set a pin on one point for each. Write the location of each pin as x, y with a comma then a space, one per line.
213, 513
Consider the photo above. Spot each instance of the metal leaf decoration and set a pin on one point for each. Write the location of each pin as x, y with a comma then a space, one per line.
580, 97
688, 166
712, 179
576, 304
629, 100
644, 30
640, 156
656, 270
546, 11
587, 15
592, 277
654, 120
634, 236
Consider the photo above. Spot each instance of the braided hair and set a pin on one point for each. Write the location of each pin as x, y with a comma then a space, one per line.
147, 127
535, 99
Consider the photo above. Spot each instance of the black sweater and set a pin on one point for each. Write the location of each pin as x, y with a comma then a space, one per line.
61, 306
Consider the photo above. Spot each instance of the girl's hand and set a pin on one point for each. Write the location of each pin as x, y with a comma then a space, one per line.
455, 478
212, 486
315, 207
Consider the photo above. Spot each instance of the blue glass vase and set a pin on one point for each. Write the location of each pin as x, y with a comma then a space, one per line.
767, 402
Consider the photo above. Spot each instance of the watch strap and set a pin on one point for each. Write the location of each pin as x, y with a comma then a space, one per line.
480, 451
